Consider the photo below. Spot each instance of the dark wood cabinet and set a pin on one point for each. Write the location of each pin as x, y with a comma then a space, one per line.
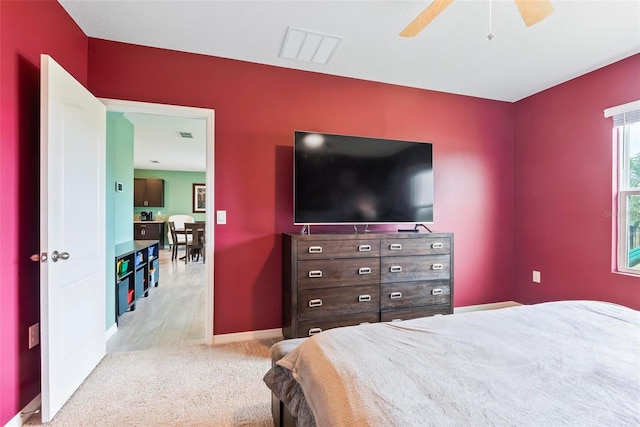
333, 280
149, 230
148, 192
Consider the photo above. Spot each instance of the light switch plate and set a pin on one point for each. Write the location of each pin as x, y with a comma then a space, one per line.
221, 217
536, 276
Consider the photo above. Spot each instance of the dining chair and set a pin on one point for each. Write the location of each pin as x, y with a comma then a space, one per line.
178, 239
196, 244
178, 221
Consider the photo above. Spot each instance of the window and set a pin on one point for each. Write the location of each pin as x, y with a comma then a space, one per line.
626, 137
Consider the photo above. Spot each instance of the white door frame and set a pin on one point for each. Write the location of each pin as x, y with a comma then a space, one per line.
191, 113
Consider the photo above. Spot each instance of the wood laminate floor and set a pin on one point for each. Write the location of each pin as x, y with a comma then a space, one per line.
172, 315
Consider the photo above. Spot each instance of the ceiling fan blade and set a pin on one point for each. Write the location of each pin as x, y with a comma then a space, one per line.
534, 11
427, 15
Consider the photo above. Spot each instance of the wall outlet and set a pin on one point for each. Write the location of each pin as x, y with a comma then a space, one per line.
34, 335
536, 276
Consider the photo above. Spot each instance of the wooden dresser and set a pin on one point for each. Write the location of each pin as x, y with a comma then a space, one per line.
332, 280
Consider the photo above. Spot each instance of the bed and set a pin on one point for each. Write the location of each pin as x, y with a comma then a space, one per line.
571, 363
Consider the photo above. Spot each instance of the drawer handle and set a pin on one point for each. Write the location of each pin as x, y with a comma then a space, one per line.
315, 273
437, 266
395, 269
395, 295
314, 331
364, 248
315, 249
315, 303
364, 298
437, 245
364, 270
395, 247
437, 291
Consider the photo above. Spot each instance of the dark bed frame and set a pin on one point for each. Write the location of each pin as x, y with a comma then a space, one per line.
281, 415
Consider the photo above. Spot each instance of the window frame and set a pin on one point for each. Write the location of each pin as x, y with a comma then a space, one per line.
622, 191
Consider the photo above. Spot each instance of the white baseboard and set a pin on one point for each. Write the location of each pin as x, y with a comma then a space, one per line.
480, 307
111, 331
244, 336
32, 408
277, 333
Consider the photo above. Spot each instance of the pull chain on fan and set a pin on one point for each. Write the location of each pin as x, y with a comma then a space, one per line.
490, 35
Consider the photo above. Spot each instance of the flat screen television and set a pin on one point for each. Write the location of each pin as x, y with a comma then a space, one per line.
341, 179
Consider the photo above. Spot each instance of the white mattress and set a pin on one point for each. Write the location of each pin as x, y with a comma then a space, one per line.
573, 363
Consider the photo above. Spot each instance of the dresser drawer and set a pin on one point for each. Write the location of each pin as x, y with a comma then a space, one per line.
328, 249
314, 303
415, 246
412, 294
412, 313
409, 268
342, 272
312, 327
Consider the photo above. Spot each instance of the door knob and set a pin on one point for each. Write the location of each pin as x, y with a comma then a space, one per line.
39, 257
62, 255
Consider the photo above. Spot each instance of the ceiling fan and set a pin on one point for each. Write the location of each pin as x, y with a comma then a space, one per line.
532, 12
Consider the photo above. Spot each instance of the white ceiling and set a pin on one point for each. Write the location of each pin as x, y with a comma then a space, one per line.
157, 139
451, 55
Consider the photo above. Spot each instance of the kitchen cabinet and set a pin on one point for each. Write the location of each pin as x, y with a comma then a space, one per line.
148, 192
149, 230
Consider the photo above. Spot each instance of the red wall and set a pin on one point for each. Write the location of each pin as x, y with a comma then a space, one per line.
563, 181
27, 29
257, 109
556, 145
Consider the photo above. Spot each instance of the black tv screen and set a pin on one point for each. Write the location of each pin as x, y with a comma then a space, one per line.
340, 179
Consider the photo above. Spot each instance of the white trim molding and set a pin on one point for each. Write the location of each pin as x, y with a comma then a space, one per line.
208, 115
277, 333
111, 331
621, 109
481, 307
250, 335
27, 412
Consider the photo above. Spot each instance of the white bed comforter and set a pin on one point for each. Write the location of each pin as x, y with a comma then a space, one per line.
572, 363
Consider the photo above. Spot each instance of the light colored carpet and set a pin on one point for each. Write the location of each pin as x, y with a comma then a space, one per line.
189, 386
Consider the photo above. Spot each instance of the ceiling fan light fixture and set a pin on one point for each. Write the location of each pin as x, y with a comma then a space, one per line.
534, 11
308, 46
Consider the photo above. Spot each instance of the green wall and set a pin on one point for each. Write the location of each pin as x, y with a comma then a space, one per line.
119, 205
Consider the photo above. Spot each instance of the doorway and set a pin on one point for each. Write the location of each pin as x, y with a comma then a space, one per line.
173, 268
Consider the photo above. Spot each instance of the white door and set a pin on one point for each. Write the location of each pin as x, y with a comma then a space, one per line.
72, 225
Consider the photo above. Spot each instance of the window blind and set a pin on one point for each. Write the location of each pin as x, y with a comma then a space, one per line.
625, 118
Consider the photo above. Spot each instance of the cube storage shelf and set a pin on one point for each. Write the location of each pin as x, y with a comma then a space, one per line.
137, 269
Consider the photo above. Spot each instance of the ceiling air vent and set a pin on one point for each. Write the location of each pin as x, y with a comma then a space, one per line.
308, 46
185, 135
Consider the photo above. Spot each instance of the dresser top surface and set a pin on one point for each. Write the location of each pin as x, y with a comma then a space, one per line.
364, 236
